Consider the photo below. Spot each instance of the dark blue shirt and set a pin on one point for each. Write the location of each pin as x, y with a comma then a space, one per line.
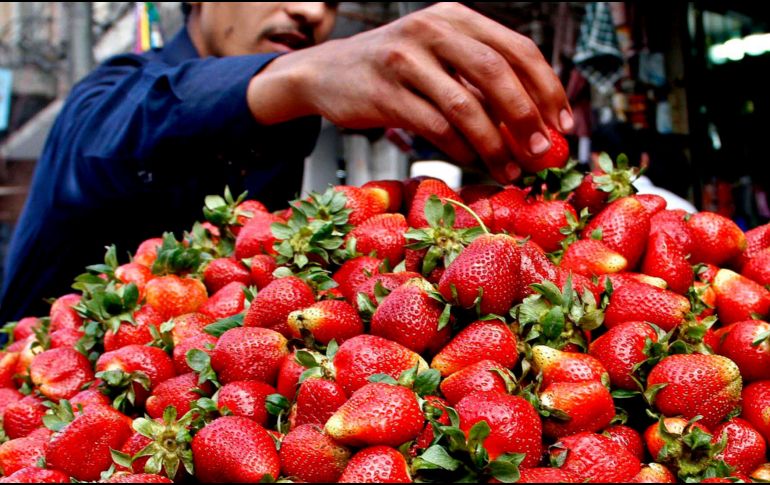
138, 145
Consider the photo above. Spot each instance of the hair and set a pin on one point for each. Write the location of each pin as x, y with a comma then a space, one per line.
186, 9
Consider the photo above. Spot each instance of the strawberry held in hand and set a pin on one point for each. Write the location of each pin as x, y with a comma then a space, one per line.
556, 156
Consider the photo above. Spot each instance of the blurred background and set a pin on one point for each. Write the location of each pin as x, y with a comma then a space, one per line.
681, 87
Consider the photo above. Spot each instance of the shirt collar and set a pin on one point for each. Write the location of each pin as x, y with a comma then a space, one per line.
179, 49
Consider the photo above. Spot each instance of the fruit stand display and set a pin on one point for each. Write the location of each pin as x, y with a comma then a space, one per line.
559, 329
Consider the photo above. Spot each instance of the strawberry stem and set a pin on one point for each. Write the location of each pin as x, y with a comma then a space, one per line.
470, 211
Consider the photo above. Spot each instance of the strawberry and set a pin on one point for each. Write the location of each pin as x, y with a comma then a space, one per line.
543, 220
654, 473
484, 375
189, 325
8, 363
758, 268
674, 224
623, 226
222, 271
326, 320
381, 236
33, 474
546, 475
226, 302
8, 396
82, 448
377, 414
590, 257
354, 272
556, 156
388, 282
535, 267
365, 355
390, 193
20, 453
595, 458
136, 333
558, 366
63, 315
718, 239
757, 240
411, 317
696, 384
756, 402
256, 236
60, 373
178, 392
245, 211
309, 455
202, 341
272, 306
675, 428
435, 410
363, 204
246, 398
137, 478
172, 296
746, 448
666, 260
587, 405
376, 464
427, 188
621, 348
505, 209
590, 195
627, 437
261, 268
639, 301
134, 273
25, 327
745, 343
515, 425
653, 203
234, 449
288, 376
485, 270
88, 397
317, 400
147, 252
23, 416
475, 192
739, 298
481, 340
151, 361
65, 338
249, 353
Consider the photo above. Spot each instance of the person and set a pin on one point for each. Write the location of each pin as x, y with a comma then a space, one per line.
236, 97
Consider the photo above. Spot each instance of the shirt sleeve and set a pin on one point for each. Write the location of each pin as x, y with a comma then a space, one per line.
133, 117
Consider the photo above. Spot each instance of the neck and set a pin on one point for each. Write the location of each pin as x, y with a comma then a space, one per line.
193, 22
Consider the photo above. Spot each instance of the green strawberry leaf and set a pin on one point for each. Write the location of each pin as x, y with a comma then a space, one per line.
427, 382
436, 457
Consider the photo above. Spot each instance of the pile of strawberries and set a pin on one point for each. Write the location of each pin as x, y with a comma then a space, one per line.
562, 329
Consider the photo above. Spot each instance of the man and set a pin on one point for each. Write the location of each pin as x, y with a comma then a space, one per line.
236, 98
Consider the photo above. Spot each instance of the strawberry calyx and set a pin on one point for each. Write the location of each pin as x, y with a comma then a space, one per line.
175, 257
571, 233
120, 385
617, 178
692, 452
316, 277
316, 364
424, 382
59, 415
555, 182
222, 211
200, 362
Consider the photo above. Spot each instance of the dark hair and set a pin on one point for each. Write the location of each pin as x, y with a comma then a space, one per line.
186, 9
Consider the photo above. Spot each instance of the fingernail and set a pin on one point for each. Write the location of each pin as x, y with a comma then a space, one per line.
538, 143
512, 171
566, 121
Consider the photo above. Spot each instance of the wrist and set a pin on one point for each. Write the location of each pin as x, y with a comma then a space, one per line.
279, 93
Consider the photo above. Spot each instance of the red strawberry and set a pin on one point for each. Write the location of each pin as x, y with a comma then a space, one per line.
317, 400
485, 375
696, 384
354, 272
20, 453
619, 280
288, 376
82, 448
666, 260
246, 398
739, 298
621, 348
757, 240
475, 192
596, 458
627, 437
588, 405
364, 204
309, 455
639, 301
481, 340
172, 296
376, 464
33, 474
178, 392
60, 373
425, 190
189, 325
756, 402
412, 318
558, 366
486, 268
624, 226
222, 271
717, 238
653, 203
746, 448
556, 156
226, 302
272, 306
65, 338
88, 397
589, 195
745, 343
234, 449
137, 333
505, 209
381, 236
365, 355
515, 425
8, 396
546, 475
202, 341
673, 444
377, 414
758, 268
147, 252
262, 267
25, 327
435, 410
246, 353
63, 314
654, 473
137, 478
390, 192
326, 320
256, 236
674, 224
590, 257
8, 363
152, 361
542, 220
388, 281
23, 416
246, 211
535, 267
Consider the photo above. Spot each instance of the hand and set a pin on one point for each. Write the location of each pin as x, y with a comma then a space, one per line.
446, 73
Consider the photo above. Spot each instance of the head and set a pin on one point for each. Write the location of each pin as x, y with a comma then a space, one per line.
238, 28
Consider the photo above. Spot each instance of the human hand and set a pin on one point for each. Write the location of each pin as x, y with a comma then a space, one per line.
446, 73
